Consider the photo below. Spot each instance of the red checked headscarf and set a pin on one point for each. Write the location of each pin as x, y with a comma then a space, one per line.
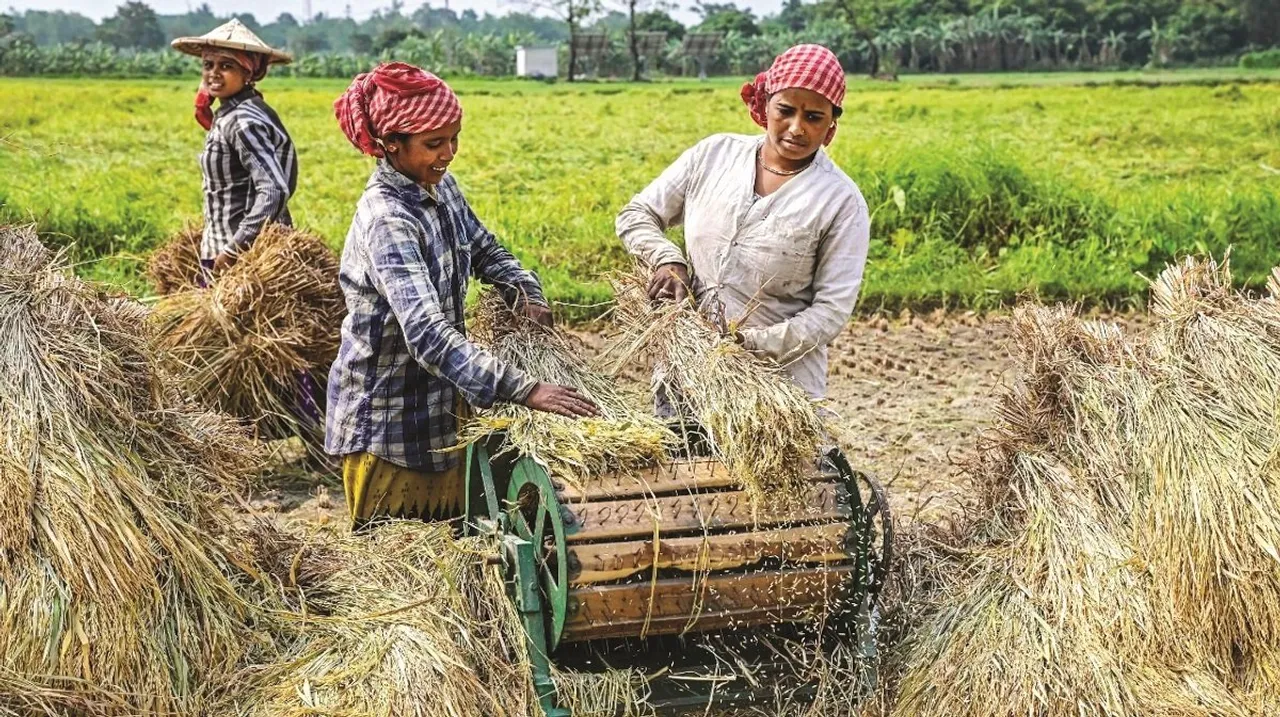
394, 98
809, 67
255, 63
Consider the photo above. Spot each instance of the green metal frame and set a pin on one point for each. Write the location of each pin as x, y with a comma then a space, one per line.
522, 556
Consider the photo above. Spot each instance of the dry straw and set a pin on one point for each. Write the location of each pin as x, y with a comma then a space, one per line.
127, 586
242, 344
1124, 562
623, 438
116, 595
1211, 462
175, 266
406, 620
759, 424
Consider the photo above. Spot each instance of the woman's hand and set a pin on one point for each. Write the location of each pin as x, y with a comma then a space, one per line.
670, 282
224, 261
537, 313
560, 400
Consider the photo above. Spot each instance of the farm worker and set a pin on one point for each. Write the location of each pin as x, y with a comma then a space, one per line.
405, 370
776, 234
249, 163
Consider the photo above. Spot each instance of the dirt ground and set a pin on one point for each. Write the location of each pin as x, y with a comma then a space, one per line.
911, 394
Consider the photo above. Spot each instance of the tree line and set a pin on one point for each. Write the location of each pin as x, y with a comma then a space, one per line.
870, 36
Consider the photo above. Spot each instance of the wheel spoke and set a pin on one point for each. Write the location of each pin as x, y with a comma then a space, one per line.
521, 525
540, 523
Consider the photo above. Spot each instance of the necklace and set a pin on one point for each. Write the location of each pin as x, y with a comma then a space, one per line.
779, 172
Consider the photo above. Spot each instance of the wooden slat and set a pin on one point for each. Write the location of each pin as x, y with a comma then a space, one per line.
655, 480
674, 515
663, 479
602, 562
720, 601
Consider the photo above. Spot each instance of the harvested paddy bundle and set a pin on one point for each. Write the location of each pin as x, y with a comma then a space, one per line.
1209, 452
758, 423
175, 266
116, 593
257, 344
406, 620
622, 438
1046, 607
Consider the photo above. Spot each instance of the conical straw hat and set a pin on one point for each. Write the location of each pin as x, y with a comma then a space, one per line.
232, 35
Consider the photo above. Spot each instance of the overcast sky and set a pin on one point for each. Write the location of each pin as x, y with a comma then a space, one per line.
97, 9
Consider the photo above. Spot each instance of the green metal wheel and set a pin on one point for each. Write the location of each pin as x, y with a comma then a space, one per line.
533, 514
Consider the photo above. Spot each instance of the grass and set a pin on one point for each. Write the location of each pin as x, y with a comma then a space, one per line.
983, 189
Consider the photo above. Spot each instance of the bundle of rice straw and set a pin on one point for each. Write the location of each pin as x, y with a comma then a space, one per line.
405, 620
116, 593
1125, 561
622, 438
175, 266
762, 426
1210, 455
243, 344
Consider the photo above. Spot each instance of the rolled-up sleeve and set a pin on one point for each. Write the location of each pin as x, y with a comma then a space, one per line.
641, 225
400, 272
842, 257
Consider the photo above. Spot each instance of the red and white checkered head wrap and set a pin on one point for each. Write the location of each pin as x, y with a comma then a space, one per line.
809, 67
394, 98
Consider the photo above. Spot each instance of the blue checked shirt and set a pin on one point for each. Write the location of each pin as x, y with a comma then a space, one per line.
405, 356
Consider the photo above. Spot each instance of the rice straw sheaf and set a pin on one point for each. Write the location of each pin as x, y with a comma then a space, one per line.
624, 437
1047, 606
241, 344
406, 620
175, 265
116, 594
1210, 444
762, 426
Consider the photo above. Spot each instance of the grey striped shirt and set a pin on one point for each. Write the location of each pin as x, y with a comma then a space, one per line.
250, 171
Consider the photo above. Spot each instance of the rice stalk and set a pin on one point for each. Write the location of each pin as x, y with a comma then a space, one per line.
623, 438
401, 620
613, 693
1048, 606
242, 344
115, 582
1210, 453
758, 423
175, 265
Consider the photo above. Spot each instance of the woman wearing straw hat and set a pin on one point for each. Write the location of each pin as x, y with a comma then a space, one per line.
405, 370
249, 163
776, 234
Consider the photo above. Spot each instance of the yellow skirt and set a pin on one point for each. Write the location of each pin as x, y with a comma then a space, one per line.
378, 489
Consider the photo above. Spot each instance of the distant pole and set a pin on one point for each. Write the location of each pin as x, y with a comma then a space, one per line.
306, 10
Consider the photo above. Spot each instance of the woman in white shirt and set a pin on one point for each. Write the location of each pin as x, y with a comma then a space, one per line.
776, 233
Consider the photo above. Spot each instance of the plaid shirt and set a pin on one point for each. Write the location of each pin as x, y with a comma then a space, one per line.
250, 170
405, 355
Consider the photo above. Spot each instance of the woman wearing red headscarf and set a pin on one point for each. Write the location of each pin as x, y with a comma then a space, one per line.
249, 163
776, 234
405, 368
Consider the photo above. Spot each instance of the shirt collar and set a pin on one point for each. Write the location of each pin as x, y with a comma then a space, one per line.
235, 100
387, 175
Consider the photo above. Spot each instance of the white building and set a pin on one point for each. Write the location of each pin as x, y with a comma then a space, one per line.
536, 61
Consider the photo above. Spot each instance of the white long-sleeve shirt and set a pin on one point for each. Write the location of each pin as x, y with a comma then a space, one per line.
786, 268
